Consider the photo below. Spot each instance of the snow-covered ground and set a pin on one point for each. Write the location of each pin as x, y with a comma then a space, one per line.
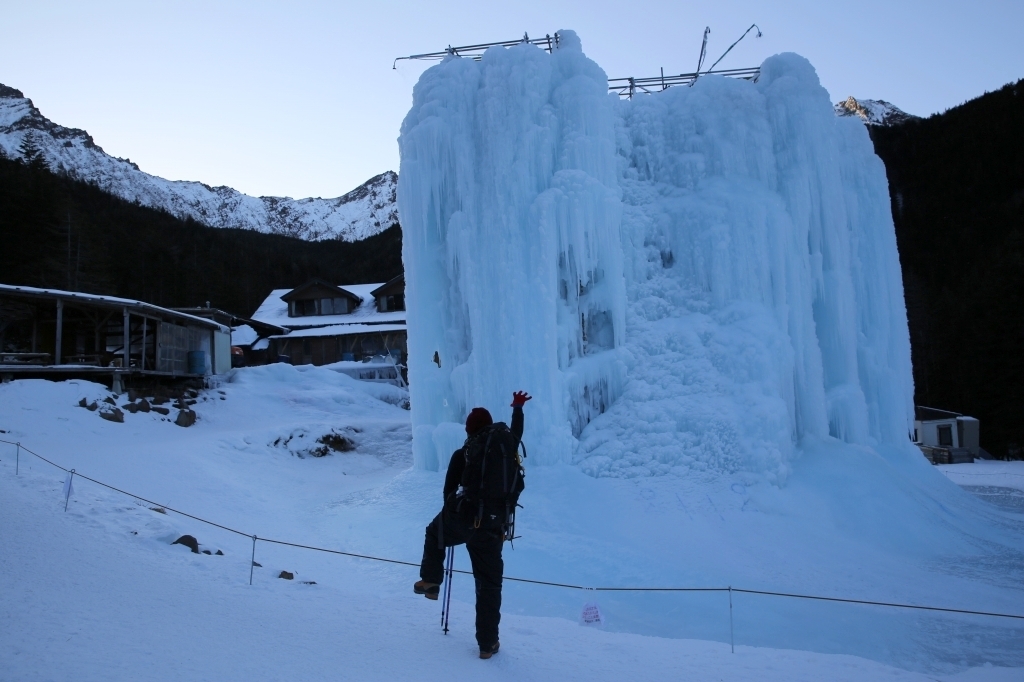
1000, 483
99, 592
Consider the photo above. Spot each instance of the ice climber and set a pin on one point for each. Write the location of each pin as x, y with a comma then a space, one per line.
481, 488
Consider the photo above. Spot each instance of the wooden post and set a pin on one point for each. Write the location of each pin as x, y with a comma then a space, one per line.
60, 331
35, 329
127, 340
142, 361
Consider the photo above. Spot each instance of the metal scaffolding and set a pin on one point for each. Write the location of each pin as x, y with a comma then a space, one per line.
476, 52
627, 87
623, 87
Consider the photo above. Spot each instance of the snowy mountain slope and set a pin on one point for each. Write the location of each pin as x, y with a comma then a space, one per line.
872, 112
363, 212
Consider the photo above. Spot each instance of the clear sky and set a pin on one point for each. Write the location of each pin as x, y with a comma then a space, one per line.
299, 98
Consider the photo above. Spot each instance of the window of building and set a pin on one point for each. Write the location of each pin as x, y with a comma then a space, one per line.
318, 306
946, 436
389, 303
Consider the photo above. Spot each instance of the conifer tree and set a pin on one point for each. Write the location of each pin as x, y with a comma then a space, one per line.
31, 154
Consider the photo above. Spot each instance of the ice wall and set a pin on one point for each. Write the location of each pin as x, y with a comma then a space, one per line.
691, 280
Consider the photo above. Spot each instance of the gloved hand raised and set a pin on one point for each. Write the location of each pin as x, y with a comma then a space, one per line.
519, 398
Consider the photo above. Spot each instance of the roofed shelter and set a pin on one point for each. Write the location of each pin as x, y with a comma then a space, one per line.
50, 333
947, 437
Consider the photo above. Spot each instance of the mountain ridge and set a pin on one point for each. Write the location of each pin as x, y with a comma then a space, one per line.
360, 213
874, 112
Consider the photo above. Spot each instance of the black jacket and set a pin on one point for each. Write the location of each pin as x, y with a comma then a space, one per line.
458, 462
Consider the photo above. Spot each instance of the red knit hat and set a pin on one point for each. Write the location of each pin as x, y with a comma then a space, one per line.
477, 419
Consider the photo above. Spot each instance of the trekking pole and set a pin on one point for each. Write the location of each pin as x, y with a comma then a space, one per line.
446, 601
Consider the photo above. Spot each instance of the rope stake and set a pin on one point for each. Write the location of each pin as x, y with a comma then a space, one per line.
732, 638
252, 562
67, 493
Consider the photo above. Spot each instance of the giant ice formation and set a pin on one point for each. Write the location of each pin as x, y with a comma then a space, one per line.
697, 279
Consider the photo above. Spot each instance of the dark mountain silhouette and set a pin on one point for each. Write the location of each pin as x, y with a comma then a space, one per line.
956, 181
66, 234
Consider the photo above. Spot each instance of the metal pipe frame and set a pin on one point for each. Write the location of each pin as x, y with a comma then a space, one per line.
476, 52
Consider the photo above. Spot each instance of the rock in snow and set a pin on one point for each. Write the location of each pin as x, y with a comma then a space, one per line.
872, 112
189, 541
361, 213
185, 418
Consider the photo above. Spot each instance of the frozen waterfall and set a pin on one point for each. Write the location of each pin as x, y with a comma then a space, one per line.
693, 280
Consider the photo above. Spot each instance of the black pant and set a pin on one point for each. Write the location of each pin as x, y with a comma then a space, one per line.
484, 547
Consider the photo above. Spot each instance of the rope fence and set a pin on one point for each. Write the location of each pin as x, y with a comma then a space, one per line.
979, 473
368, 557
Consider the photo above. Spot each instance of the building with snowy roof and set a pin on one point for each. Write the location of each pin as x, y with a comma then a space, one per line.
947, 437
328, 323
57, 334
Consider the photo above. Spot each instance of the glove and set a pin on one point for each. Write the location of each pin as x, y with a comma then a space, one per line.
519, 398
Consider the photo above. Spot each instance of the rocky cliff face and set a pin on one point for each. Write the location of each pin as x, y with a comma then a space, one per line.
872, 112
363, 212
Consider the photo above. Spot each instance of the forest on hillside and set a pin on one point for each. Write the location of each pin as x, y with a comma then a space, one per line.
956, 182
65, 234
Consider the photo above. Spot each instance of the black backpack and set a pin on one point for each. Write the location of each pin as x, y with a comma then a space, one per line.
492, 479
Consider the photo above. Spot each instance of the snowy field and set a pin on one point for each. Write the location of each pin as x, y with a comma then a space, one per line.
99, 592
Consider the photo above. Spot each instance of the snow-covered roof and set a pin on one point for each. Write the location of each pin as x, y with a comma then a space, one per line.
243, 335
342, 330
136, 306
275, 311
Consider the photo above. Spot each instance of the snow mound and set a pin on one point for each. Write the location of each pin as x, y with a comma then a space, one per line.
694, 280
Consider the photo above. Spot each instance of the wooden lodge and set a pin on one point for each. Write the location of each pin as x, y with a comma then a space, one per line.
326, 323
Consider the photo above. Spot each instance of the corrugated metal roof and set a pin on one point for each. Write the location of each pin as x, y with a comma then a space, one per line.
110, 301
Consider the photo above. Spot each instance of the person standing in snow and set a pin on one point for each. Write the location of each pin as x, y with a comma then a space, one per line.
481, 524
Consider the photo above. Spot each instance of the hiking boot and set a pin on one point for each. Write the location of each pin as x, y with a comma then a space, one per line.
428, 590
488, 651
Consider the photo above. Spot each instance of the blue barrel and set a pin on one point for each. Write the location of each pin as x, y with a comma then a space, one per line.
196, 362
